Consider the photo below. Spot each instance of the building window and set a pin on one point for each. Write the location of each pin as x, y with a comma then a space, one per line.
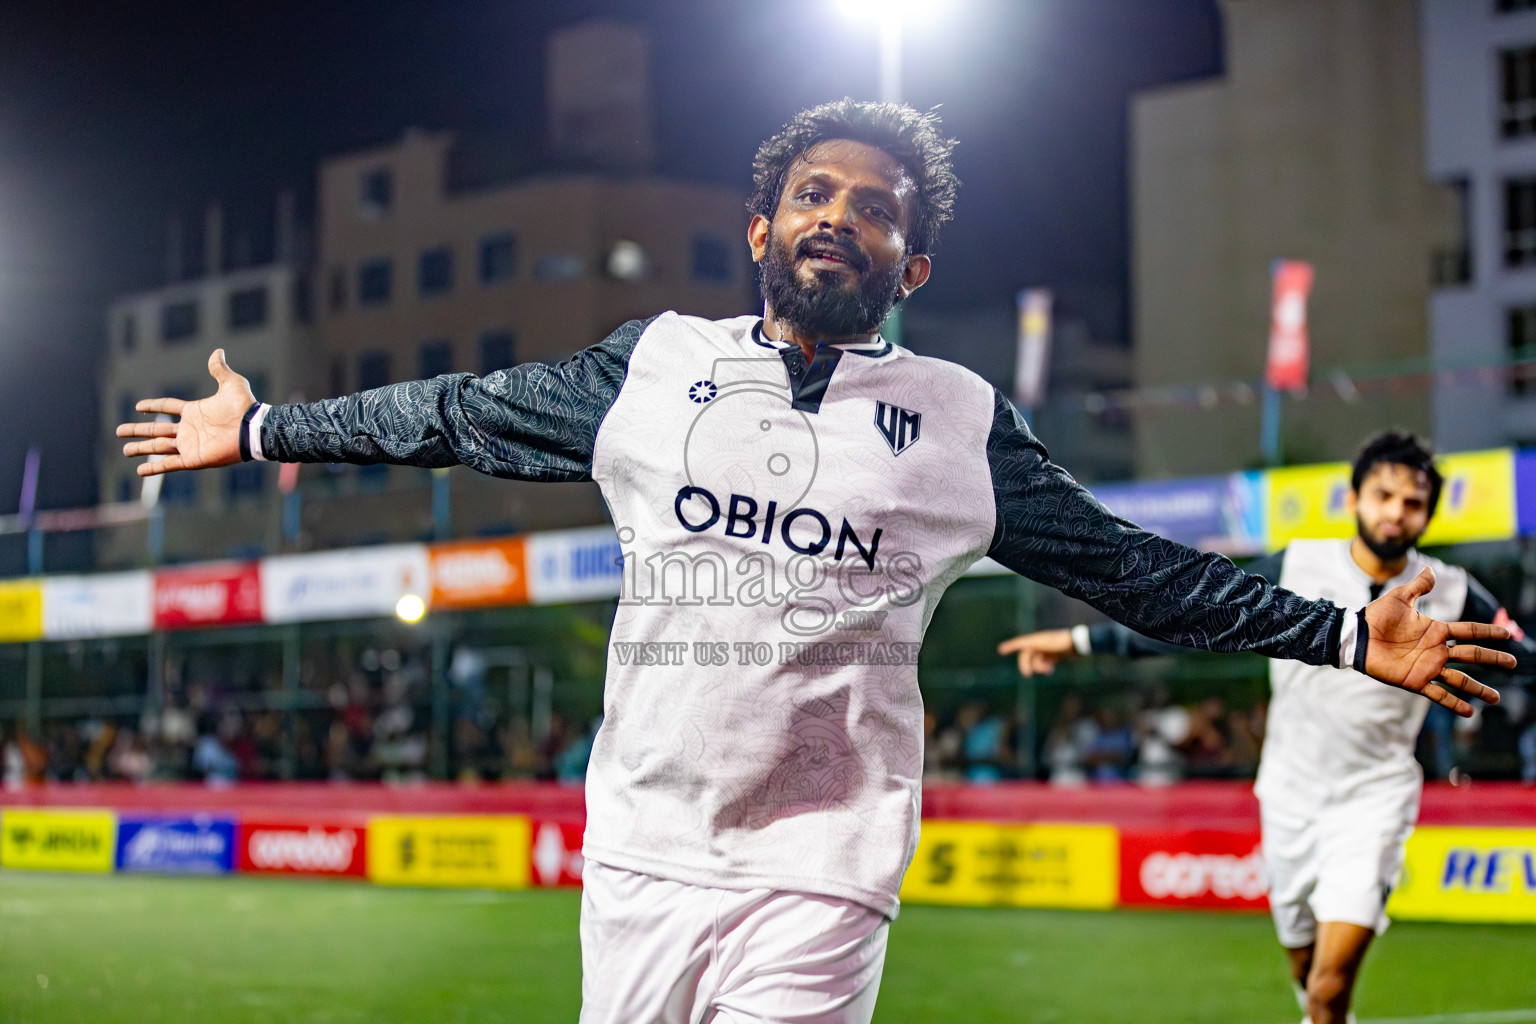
436, 271
498, 257
125, 488
303, 299
338, 378
247, 308
129, 332
178, 489
376, 191
434, 359
1517, 92
372, 370
1510, 6
557, 266
338, 289
497, 350
178, 321
711, 260
373, 282
1520, 336
1520, 222
126, 413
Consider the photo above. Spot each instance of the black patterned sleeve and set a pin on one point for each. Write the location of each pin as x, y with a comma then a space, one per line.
1052, 530
530, 422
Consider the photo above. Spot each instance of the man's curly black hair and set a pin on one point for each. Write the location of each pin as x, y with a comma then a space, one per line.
1398, 448
909, 136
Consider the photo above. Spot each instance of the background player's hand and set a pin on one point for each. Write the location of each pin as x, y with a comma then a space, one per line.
1039, 652
1410, 650
208, 433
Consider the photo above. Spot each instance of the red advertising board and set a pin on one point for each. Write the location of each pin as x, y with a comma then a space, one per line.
555, 854
218, 594
1289, 347
1192, 869
286, 848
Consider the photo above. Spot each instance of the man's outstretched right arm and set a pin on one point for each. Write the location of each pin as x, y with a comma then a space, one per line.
531, 422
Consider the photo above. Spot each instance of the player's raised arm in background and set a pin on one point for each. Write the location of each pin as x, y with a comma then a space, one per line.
1053, 530
531, 422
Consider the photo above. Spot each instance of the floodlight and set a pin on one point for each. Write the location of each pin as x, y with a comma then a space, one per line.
410, 608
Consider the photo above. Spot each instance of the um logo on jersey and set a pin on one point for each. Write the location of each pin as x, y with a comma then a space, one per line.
900, 427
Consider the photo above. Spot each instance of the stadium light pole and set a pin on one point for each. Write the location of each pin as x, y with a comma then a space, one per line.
890, 17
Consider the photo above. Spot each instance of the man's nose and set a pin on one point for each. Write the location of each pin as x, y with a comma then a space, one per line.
837, 216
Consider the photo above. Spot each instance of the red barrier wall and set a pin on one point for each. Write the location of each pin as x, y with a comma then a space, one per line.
1191, 805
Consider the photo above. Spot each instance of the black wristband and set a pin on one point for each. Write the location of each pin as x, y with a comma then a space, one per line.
1362, 635
245, 432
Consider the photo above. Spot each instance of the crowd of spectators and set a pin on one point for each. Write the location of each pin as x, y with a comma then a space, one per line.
370, 723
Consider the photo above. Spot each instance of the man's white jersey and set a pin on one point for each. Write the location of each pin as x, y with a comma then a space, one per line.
788, 526
1332, 732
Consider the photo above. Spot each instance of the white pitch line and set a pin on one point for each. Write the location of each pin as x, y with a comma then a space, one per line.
1485, 1017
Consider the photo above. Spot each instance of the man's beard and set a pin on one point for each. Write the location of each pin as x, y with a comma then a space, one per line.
1385, 549
832, 307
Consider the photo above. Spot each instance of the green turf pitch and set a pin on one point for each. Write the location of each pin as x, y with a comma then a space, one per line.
98, 950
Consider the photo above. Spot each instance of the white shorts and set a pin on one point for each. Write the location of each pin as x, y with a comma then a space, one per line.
1339, 865
655, 951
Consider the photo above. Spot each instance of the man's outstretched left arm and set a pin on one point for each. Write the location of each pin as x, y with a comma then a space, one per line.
1051, 529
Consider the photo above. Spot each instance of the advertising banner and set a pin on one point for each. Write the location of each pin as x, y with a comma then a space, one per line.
350, 584
478, 574
104, 604
1525, 490
472, 852
1477, 501
1192, 869
1033, 354
49, 840
1309, 502
1289, 346
1222, 513
976, 864
1468, 874
198, 844
294, 849
216, 594
556, 855
574, 565
21, 610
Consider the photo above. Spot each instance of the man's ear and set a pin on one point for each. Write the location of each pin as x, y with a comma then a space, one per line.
757, 236
915, 274
1351, 503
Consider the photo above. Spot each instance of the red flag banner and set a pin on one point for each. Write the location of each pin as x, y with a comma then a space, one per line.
1288, 345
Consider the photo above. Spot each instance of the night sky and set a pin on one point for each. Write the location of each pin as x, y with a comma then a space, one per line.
113, 116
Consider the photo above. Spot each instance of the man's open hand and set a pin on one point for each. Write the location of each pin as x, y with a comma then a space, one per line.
1039, 652
208, 433
1410, 650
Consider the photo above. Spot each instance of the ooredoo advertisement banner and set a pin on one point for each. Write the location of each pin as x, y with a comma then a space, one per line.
355, 583
1477, 499
1193, 869
488, 852
1468, 874
478, 574
218, 594
977, 864
104, 604
197, 844
286, 848
49, 840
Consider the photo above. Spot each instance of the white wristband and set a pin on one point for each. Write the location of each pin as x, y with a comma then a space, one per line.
1349, 636
254, 437
1081, 642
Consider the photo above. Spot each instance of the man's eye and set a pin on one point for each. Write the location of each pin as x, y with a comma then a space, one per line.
879, 213
812, 196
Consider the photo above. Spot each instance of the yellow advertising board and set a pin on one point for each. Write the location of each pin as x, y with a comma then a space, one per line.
1308, 501
977, 864
1478, 499
50, 840
21, 610
1468, 874
491, 852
